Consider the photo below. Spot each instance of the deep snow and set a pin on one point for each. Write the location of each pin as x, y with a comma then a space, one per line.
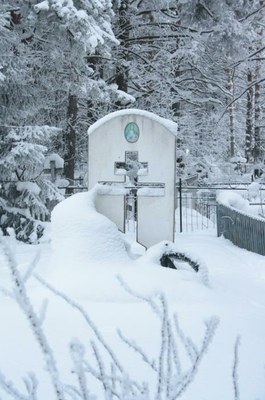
234, 293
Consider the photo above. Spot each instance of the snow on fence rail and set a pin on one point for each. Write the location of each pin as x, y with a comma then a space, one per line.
244, 230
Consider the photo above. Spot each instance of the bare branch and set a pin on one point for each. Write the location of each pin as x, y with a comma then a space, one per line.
239, 96
250, 15
209, 12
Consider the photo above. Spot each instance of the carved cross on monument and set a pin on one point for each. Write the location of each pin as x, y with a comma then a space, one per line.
131, 169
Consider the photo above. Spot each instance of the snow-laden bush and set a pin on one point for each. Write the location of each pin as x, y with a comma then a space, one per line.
23, 189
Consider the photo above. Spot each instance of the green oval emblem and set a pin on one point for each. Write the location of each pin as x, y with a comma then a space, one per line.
131, 132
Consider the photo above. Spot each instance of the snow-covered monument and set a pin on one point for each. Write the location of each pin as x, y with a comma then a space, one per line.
132, 156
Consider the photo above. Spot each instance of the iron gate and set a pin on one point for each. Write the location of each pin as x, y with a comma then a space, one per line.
195, 208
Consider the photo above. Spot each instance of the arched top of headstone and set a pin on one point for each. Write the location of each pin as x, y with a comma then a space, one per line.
171, 126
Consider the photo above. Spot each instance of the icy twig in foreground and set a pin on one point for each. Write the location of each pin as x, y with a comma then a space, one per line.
19, 293
235, 369
119, 385
171, 381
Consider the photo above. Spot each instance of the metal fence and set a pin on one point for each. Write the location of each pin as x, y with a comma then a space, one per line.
196, 204
195, 209
243, 230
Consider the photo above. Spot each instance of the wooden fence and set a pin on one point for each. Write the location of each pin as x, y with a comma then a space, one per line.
243, 230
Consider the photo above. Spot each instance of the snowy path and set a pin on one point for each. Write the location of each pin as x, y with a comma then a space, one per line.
236, 294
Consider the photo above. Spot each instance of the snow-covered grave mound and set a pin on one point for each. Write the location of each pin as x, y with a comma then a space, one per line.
82, 236
90, 253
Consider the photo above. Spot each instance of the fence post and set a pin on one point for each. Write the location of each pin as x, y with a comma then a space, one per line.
180, 205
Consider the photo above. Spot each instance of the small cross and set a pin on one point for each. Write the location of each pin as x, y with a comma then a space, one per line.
131, 168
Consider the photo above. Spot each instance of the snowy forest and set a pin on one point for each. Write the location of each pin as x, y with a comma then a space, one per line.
66, 63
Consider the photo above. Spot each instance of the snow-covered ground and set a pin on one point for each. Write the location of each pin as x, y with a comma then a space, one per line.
234, 293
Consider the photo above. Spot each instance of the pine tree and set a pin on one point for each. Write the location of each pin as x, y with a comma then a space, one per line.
24, 190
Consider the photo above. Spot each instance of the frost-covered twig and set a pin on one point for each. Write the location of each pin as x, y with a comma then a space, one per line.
162, 353
20, 295
187, 378
77, 351
171, 383
88, 320
118, 385
31, 267
31, 385
73, 392
134, 346
149, 300
112, 386
235, 369
113, 377
9, 388
6, 292
190, 347
43, 311
103, 376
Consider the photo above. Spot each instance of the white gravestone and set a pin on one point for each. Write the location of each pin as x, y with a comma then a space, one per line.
132, 152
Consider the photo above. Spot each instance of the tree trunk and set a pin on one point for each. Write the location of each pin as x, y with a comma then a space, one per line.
231, 111
123, 36
70, 141
249, 119
257, 139
257, 93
